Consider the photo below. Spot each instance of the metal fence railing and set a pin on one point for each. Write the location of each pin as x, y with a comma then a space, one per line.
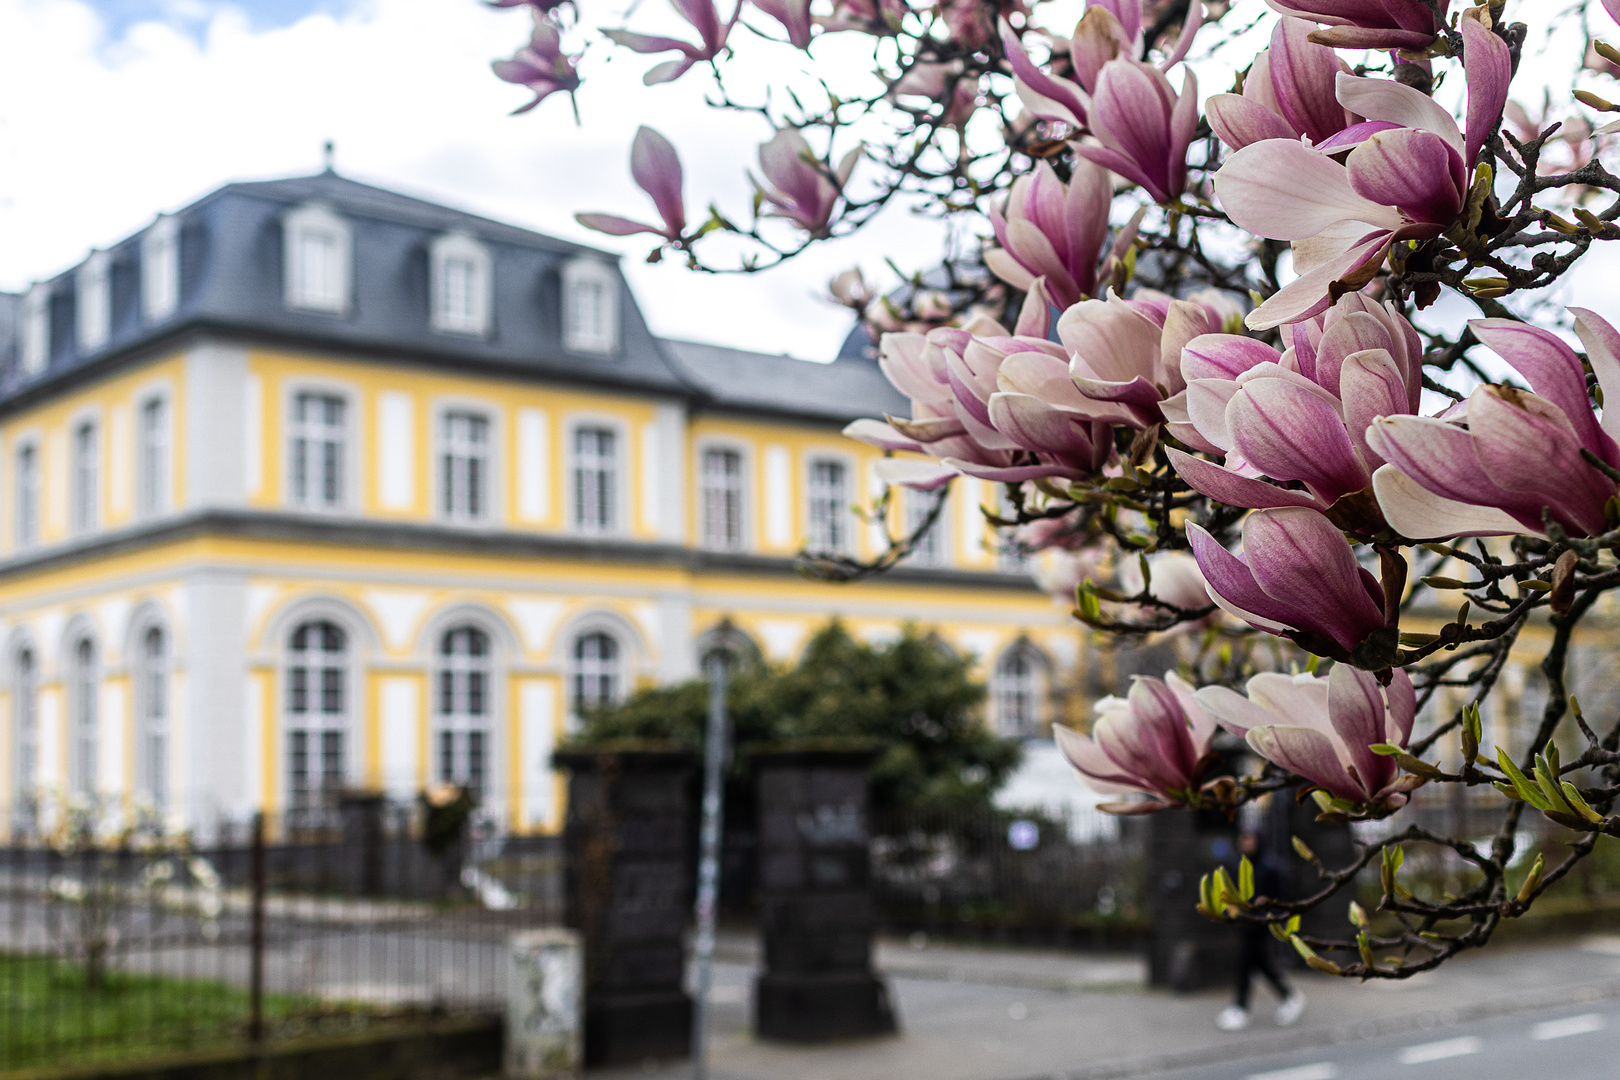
136, 948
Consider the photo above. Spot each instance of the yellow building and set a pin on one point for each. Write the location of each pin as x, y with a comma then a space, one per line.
312, 485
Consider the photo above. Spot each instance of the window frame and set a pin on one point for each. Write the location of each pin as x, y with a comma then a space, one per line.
494, 510
464, 721
160, 269
914, 507
594, 272
92, 302
350, 458
744, 491
620, 502
152, 747
453, 247
83, 713
24, 709
34, 329
154, 482
844, 519
317, 219
346, 721
28, 495
86, 486
1036, 686
622, 661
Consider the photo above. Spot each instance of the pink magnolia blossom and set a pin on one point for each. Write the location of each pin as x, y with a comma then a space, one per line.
1153, 742
797, 186
657, 171
944, 83
1053, 230
1300, 415
1407, 177
1108, 30
541, 65
971, 23
871, 16
794, 15
1298, 578
1289, 93
1370, 24
712, 34
1321, 728
1119, 357
1519, 455
1143, 127
959, 418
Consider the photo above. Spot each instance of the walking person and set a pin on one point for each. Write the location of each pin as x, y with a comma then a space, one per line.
1254, 948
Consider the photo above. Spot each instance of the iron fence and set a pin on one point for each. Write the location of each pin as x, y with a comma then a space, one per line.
288, 930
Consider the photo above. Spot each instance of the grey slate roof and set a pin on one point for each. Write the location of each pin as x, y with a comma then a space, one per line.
844, 390
231, 253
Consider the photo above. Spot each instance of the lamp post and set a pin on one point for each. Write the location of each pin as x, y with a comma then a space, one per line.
708, 885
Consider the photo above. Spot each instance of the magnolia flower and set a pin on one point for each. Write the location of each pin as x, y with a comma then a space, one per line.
540, 65
1155, 742
1302, 414
1288, 93
1119, 357
1053, 230
971, 23
1108, 30
1298, 578
943, 83
1370, 24
657, 171
799, 188
1143, 127
961, 417
794, 15
712, 34
872, 16
1406, 178
1519, 457
1321, 728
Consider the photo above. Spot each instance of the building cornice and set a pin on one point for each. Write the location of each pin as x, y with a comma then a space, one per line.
291, 527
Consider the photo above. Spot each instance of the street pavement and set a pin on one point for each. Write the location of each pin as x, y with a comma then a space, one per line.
1003, 1014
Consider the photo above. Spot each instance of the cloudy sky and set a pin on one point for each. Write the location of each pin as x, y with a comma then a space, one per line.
112, 110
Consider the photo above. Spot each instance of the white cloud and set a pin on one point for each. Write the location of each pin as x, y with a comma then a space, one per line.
98, 135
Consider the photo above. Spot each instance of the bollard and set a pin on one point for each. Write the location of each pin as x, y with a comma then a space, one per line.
545, 972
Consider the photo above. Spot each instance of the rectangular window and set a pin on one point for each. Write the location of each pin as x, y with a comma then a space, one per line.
465, 467
930, 549
27, 496
160, 270
34, 345
317, 276
596, 480
85, 502
590, 306
587, 311
94, 302
722, 500
316, 455
459, 285
152, 458
829, 502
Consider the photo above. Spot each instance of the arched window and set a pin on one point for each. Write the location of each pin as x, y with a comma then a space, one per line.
152, 716
461, 739
82, 716
25, 728
317, 714
1018, 687
598, 677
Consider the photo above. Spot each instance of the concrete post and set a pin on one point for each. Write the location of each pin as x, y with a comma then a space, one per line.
545, 973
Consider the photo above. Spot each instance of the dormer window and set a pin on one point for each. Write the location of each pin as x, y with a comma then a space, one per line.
34, 331
460, 285
590, 307
318, 253
160, 269
94, 302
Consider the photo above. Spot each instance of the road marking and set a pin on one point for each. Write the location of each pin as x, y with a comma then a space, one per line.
1569, 1025
1439, 1051
1322, 1070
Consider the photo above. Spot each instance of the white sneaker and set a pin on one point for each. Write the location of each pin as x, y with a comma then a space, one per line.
1233, 1018
1291, 1008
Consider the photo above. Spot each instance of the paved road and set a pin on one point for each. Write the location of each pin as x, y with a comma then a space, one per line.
1567, 1043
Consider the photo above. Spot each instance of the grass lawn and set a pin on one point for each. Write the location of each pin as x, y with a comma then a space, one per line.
48, 1016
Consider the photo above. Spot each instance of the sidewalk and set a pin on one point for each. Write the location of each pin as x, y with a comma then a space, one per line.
1006, 1014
